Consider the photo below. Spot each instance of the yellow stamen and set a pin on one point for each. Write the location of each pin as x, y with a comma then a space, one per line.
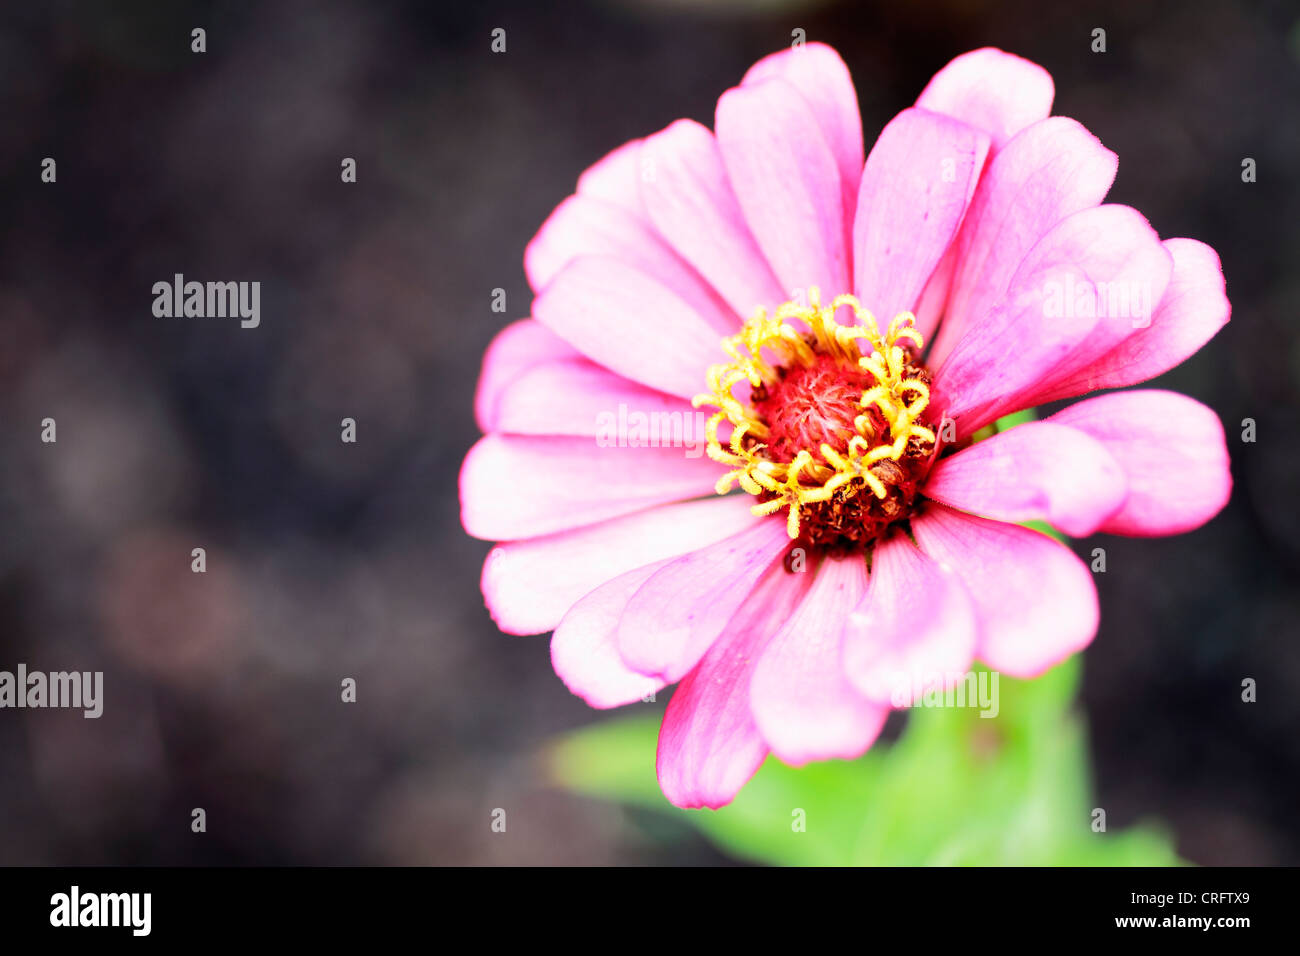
797, 335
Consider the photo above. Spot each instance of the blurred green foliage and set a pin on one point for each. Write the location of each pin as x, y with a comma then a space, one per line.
954, 789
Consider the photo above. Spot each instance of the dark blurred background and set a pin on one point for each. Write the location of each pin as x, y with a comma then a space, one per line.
328, 560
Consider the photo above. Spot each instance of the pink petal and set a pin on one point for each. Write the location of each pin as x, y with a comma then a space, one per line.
615, 178
1034, 472
788, 184
584, 651
991, 90
822, 79
1037, 337
709, 745
1173, 453
803, 703
582, 226
689, 199
1046, 172
575, 396
1036, 602
517, 486
934, 297
1193, 309
999, 94
516, 348
530, 584
915, 629
915, 187
632, 324
681, 610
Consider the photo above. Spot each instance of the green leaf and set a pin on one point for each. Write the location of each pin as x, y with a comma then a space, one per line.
1003, 423
956, 788
1017, 418
1042, 527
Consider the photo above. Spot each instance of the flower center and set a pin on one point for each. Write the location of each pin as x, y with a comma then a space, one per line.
832, 430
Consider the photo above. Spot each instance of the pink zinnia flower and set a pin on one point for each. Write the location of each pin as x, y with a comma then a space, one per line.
764, 272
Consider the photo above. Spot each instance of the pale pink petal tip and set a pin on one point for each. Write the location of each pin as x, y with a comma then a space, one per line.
632, 323
584, 651
614, 178
785, 178
915, 629
1193, 309
995, 91
522, 486
529, 585
915, 188
816, 71
1173, 453
691, 203
679, 612
1081, 291
1049, 170
709, 745
802, 702
516, 348
1036, 601
1038, 471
